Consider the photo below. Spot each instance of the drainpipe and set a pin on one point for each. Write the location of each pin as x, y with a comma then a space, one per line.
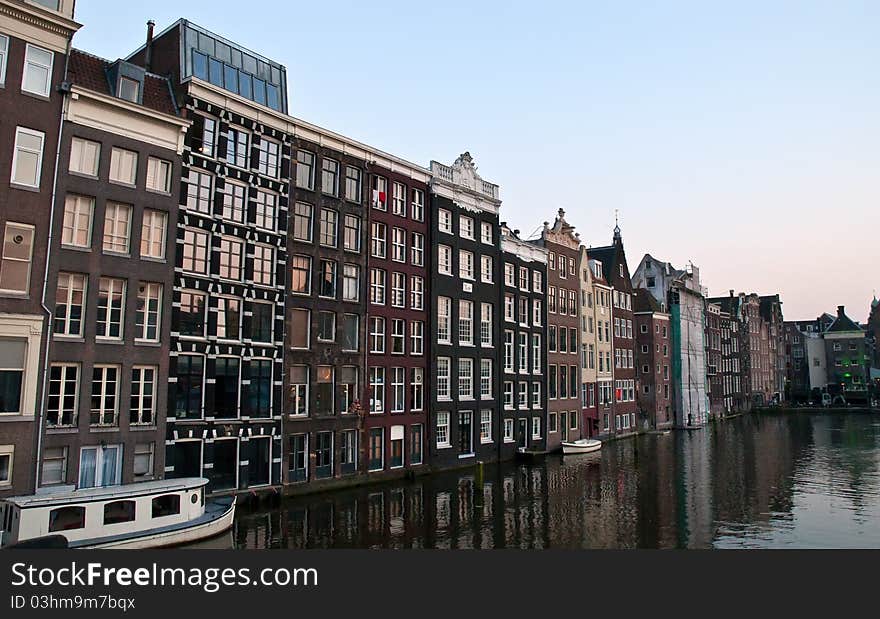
44, 380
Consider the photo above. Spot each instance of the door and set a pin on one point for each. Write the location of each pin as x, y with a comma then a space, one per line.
564, 423
260, 461
522, 439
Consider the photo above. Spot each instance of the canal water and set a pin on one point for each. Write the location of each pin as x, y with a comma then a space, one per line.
798, 480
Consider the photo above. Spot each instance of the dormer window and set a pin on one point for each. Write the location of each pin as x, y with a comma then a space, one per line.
129, 89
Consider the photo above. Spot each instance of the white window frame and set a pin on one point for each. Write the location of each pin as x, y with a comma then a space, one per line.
15, 156
30, 61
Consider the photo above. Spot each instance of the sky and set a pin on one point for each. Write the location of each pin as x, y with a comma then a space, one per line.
741, 137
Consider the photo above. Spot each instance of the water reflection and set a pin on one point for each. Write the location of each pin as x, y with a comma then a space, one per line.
771, 481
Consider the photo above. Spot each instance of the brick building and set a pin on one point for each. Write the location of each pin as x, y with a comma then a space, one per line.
652, 360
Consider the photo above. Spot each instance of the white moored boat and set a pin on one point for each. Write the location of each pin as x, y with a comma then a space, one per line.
581, 446
147, 514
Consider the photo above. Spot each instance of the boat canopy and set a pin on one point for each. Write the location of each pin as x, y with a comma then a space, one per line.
108, 493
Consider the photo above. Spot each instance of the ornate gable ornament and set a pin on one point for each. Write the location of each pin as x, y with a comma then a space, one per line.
461, 183
562, 233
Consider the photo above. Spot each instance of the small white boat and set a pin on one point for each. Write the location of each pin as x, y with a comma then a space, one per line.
148, 514
581, 446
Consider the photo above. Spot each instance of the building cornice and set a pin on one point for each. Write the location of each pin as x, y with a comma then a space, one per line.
523, 250
298, 128
37, 17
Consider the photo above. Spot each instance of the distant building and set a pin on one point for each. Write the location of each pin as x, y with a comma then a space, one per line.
652, 353
589, 334
714, 375
684, 296
602, 314
845, 351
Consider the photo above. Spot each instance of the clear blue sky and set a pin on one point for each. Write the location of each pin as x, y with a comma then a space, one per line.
744, 137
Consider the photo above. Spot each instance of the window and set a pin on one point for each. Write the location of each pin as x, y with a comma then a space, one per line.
418, 249
536, 395
444, 317
418, 205
237, 147
165, 505
67, 519
158, 175
509, 308
551, 382
551, 299
444, 220
228, 318
262, 322
398, 336
205, 143
417, 389
27, 160
537, 283
399, 199
443, 378
522, 400
486, 233
85, 156
192, 316
305, 170
351, 278
486, 311
377, 390
350, 332
148, 312
267, 210
230, 253
142, 407
117, 225
123, 166
188, 389
4, 52
509, 274
398, 390
199, 192
465, 264
486, 269
486, 379
352, 233
523, 353
508, 430
417, 293
268, 157
299, 390
54, 466
415, 444
353, 184
537, 312
37, 73
377, 335
301, 271
195, 251
536, 426
111, 300
485, 426
260, 388
328, 227
417, 337
508, 351
100, 466
330, 177
152, 234
227, 380
264, 265
302, 222
376, 449
379, 240
63, 401
377, 286
326, 326
105, 393
379, 196
465, 323
444, 260
536, 353
299, 457
551, 261
523, 279
129, 89
15, 265
466, 227
234, 201
398, 245
144, 459
398, 290
69, 304
508, 395
524, 311
562, 273
442, 430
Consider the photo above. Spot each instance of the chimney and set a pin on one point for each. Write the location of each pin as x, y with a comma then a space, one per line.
148, 50
731, 293
840, 311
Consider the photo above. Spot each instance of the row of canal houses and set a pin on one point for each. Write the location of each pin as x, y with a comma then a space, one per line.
196, 283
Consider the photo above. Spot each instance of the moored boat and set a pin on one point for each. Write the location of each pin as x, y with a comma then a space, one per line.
581, 446
133, 516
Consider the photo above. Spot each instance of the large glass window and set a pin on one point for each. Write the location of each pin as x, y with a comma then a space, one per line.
27, 159
15, 264
37, 73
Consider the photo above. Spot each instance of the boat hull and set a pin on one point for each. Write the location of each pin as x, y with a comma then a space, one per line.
578, 447
161, 539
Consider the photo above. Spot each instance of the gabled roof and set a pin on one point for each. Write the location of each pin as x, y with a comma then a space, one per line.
91, 72
607, 256
842, 323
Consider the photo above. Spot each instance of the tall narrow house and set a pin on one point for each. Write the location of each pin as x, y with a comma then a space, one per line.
616, 273
524, 377
466, 339
111, 275
35, 37
589, 376
225, 397
563, 331
602, 314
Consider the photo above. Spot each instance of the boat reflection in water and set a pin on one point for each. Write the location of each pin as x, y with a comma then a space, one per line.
770, 481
